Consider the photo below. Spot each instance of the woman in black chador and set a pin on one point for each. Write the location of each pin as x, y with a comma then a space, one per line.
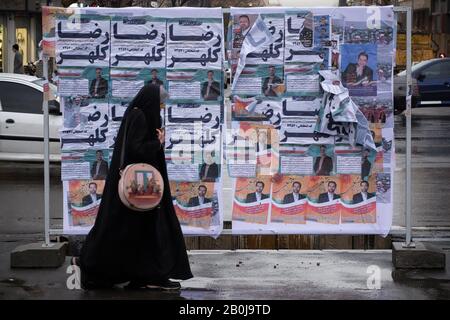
145, 248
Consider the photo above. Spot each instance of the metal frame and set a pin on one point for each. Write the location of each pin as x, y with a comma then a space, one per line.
408, 230
46, 156
408, 199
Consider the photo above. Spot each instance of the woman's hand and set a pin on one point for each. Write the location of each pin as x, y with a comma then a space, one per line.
161, 135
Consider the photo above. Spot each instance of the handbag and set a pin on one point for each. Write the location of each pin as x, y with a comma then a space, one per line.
141, 185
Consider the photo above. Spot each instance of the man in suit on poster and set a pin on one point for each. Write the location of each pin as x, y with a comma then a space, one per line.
257, 195
209, 170
365, 165
93, 196
155, 80
323, 164
364, 195
295, 195
330, 194
99, 169
359, 73
99, 86
200, 198
210, 88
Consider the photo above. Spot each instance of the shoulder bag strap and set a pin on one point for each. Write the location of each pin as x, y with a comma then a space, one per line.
124, 143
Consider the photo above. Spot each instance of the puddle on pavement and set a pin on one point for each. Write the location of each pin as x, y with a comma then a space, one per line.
19, 283
13, 281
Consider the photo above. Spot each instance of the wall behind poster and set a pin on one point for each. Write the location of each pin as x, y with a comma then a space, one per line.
299, 181
104, 56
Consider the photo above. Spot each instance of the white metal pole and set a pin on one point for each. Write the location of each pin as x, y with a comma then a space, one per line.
46, 155
408, 241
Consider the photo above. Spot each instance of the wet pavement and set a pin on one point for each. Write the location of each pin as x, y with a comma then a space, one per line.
251, 275
430, 140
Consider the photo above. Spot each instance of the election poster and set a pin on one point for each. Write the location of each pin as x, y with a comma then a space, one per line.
82, 40
330, 103
104, 57
138, 42
251, 204
81, 202
126, 82
194, 42
85, 164
87, 82
197, 206
289, 200
309, 143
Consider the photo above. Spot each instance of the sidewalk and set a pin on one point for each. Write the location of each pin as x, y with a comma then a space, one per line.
253, 275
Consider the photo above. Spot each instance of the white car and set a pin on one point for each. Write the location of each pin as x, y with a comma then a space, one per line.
22, 120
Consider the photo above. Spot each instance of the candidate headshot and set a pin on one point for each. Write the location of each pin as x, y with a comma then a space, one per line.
363, 195
323, 164
359, 73
295, 195
200, 198
366, 165
330, 195
241, 30
244, 24
262, 142
155, 79
99, 169
209, 170
271, 83
210, 88
99, 86
258, 195
93, 196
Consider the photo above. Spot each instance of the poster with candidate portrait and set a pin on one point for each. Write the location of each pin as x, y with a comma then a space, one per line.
199, 85
197, 206
359, 69
126, 82
336, 97
85, 164
81, 202
287, 65
86, 82
104, 58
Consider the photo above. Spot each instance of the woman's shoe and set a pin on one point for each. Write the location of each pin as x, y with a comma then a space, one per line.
166, 285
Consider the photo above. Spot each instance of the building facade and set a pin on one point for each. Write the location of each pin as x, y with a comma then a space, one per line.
21, 23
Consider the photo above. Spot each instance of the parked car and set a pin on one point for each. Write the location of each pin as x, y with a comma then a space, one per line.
430, 85
21, 119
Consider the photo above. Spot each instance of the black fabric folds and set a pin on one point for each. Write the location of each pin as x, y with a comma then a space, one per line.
126, 245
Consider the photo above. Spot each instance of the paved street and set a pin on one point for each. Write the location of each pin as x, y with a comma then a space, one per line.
430, 168
251, 275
